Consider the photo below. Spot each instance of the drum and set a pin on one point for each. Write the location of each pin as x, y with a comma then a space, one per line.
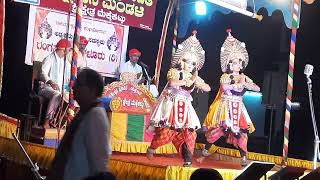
61, 116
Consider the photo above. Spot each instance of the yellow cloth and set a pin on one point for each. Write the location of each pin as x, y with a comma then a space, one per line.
119, 126
44, 155
38, 153
209, 122
218, 112
140, 147
178, 172
8, 126
127, 170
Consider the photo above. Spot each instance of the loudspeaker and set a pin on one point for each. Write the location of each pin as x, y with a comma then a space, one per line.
255, 170
288, 173
313, 175
270, 89
200, 104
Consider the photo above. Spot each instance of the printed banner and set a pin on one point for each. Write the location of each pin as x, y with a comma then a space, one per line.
136, 13
129, 98
107, 42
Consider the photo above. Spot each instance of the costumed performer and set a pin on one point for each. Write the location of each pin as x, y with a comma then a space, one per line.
174, 119
227, 114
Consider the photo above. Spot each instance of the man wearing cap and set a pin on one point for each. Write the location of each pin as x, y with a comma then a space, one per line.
82, 61
55, 73
132, 67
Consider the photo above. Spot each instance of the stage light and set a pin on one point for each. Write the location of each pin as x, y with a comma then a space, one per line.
235, 8
201, 8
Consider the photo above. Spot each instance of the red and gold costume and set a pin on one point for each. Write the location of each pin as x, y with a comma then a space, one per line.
174, 118
227, 114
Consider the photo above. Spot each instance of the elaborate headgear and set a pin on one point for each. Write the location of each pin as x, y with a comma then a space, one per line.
189, 47
134, 52
231, 49
63, 43
83, 40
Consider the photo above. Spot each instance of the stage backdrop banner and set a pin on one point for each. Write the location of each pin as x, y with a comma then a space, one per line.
107, 42
136, 13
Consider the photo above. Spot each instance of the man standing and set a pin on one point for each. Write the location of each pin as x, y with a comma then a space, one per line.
55, 73
85, 148
82, 60
131, 69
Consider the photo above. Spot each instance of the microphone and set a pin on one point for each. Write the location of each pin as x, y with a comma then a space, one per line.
308, 70
143, 64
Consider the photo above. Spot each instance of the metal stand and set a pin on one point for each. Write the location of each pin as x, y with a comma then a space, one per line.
314, 123
271, 107
148, 78
34, 168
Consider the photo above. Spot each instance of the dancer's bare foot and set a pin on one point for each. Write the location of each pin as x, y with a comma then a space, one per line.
205, 153
46, 124
200, 159
150, 154
187, 164
244, 161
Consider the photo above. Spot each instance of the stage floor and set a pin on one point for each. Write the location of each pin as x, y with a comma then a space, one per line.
169, 166
174, 160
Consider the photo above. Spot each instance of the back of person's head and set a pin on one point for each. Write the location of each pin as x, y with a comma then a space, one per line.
92, 79
102, 176
206, 174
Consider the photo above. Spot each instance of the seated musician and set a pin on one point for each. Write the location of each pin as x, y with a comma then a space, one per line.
131, 71
55, 77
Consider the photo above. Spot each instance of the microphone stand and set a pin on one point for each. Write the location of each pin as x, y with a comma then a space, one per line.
34, 168
314, 123
148, 78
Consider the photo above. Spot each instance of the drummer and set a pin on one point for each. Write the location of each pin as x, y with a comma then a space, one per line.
55, 77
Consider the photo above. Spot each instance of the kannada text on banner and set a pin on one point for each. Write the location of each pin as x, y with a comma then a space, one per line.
136, 13
129, 98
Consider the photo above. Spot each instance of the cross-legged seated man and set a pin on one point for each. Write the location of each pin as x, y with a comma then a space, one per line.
55, 76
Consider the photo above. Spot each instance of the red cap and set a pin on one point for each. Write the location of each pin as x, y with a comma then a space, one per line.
83, 40
134, 52
63, 43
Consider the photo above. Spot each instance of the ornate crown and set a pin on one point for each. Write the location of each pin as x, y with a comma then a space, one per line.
232, 48
190, 46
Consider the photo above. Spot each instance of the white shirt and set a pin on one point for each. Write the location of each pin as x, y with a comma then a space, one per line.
52, 69
129, 67
82, 60
91, 147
